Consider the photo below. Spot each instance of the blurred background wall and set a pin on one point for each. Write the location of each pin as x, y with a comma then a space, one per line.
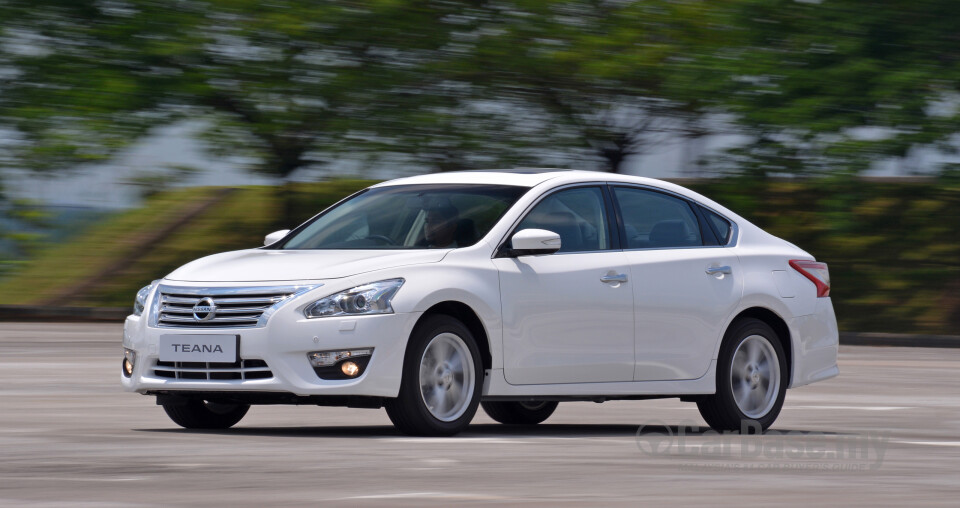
137, 135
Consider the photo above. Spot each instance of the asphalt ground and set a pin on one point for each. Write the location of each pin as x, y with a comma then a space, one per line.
884, 433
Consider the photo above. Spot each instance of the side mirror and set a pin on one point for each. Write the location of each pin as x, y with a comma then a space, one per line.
534, 241
275, 236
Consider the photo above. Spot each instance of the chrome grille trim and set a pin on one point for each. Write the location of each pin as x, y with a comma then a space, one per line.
193, 371
237, 307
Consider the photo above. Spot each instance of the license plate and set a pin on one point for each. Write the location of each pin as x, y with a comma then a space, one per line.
199, 348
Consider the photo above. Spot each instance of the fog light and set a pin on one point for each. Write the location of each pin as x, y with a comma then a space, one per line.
343, 364
328, 358
350, 369
129, 360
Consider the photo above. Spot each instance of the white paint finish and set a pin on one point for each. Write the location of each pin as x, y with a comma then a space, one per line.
549, 321
536, 239
561, 323
283, 345
498, 385
479, 177
781, 278
931, 443
275, 236
264, 265
680, 310
815, 344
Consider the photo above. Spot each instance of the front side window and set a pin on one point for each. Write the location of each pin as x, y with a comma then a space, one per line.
653, 220
441, 216
577, 215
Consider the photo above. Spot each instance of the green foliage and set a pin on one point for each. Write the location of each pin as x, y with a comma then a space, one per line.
21, 232
803, 77
55, 268
892, 248
464, 84
290, 83
106, 264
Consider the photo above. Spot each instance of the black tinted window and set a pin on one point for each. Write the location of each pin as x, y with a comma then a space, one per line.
577, 215
720, 226
654, 220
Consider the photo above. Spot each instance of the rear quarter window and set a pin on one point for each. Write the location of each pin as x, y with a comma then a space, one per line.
721, 227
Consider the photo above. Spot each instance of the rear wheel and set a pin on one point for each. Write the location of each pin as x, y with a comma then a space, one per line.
442, 380
519, 413
751, 380
201, 414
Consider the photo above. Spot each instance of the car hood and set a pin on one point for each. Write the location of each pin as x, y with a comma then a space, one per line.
261, 265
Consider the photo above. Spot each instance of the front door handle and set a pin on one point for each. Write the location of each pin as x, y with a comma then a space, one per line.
614, 279
717, 270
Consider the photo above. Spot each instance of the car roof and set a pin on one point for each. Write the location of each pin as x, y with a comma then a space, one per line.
523, 177
520, 177
532, 177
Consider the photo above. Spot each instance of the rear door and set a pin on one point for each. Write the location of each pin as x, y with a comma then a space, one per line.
685, 284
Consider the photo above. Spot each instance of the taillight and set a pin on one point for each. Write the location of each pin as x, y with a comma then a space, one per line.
817, 272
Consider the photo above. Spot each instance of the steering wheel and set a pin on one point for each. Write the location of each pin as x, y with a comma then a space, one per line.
385, 239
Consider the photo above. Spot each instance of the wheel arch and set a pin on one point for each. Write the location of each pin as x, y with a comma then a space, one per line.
466, 315
779, 326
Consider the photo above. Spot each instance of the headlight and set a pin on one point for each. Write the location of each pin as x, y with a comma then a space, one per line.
373, 298
140, 302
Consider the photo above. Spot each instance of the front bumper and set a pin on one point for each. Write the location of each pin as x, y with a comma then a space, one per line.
283, 344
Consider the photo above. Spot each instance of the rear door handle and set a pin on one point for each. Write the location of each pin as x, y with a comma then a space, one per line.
614, 279
717, 270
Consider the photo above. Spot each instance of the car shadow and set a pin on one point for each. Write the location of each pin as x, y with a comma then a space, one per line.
484, 430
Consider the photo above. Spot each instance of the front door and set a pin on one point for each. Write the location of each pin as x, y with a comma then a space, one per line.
568, 316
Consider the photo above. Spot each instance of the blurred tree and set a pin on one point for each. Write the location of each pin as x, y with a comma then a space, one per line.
447, 85
23, 228
283, 80
817, 85
613, 78
835, 85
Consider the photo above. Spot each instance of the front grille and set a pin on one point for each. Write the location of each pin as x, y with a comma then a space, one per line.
242, 369
235, 310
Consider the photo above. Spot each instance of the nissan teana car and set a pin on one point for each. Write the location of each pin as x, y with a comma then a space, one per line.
513, 290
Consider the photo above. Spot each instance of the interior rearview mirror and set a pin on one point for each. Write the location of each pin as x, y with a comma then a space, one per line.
275, 236
534, 241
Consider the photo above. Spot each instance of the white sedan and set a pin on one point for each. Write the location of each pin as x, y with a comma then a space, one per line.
512, 290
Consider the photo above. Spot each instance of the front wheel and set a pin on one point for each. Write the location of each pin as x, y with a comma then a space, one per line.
200, 414
751, 380
519, 413
442, 380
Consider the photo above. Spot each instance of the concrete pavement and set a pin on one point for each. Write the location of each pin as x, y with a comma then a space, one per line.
886, 432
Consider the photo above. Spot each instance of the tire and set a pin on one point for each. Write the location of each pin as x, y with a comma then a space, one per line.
442, 357
747, 400
519, 413
200, 414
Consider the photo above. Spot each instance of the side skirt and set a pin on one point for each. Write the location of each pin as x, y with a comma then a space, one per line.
496, 387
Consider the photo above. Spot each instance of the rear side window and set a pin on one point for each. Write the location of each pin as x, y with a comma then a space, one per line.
652, 220
721, 227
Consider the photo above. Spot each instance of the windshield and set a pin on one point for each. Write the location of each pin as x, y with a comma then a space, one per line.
442, 216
